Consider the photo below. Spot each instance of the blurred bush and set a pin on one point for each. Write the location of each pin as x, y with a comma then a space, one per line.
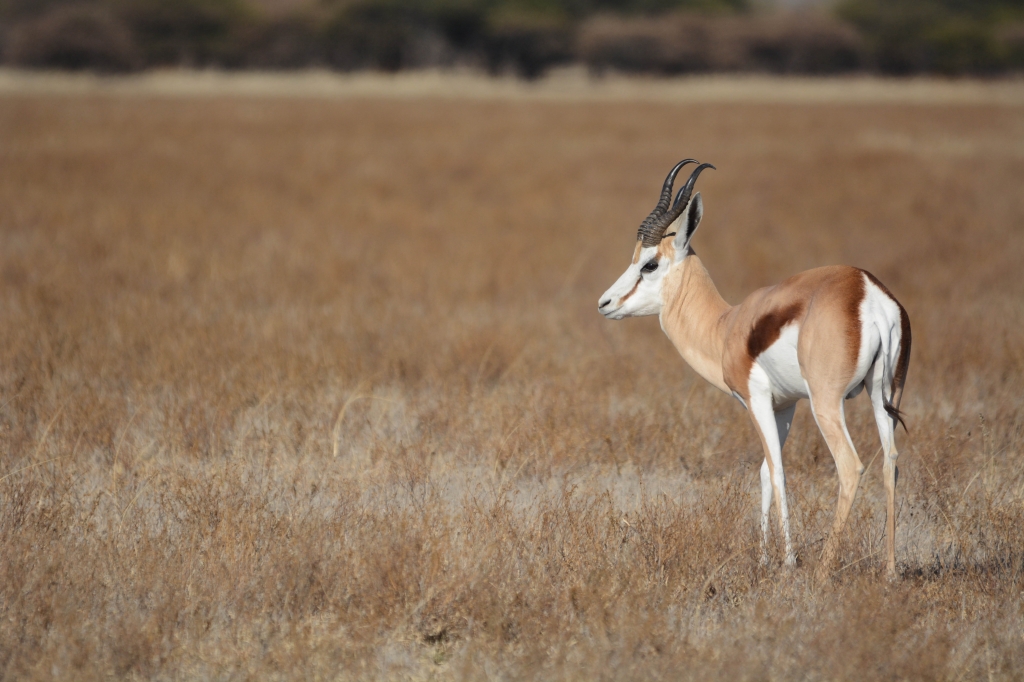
944, 36
188, 32
1011, 40
802, 43
525, 37
527, 42
291, 40
73, 37
372, 34
392, 34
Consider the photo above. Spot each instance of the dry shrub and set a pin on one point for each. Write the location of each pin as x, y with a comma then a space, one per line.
287, 41
312, 388
73, 37
1011, 41
779, 43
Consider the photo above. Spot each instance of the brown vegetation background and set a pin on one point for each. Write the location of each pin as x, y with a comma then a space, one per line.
316, 388
522, 37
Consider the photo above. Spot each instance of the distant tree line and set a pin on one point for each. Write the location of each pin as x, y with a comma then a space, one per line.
521, 36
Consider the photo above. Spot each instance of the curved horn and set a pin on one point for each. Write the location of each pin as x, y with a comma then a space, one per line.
666, 189
647, 227
682, 199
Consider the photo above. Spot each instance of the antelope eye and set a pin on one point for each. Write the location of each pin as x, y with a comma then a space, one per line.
650, 266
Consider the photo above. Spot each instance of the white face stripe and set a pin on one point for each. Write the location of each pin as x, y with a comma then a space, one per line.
636, 292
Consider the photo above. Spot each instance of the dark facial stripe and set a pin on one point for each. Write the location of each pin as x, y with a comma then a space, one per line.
631, 291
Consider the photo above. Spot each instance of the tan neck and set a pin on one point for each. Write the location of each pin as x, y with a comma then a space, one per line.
692, 316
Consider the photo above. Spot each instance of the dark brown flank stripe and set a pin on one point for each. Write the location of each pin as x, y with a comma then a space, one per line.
855, 296
766, 330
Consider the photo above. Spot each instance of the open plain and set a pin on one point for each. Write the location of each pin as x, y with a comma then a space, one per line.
314, 386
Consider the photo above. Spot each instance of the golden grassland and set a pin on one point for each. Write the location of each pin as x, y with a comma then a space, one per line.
573, 83
316, 388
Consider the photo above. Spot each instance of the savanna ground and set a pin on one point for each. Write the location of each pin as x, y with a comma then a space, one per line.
316, 388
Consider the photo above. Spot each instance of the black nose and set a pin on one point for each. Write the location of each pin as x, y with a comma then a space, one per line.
604, 302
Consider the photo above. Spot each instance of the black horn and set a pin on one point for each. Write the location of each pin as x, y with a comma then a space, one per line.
648, 226
670, 180
682, 199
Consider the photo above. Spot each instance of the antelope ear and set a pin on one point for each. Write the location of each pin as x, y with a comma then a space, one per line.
686, 225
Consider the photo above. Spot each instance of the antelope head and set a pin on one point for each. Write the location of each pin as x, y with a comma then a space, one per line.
662, 243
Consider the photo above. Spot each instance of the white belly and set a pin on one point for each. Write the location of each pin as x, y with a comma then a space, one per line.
779, 361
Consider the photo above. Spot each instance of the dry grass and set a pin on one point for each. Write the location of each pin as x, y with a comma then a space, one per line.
571, 83
313, 388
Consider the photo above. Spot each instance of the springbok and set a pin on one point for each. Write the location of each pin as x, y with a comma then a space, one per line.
823, 334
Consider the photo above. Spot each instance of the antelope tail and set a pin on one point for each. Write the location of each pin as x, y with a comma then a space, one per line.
899, 375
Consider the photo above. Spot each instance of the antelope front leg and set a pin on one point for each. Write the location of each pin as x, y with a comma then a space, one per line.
766, 507
783, 422
767, 424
